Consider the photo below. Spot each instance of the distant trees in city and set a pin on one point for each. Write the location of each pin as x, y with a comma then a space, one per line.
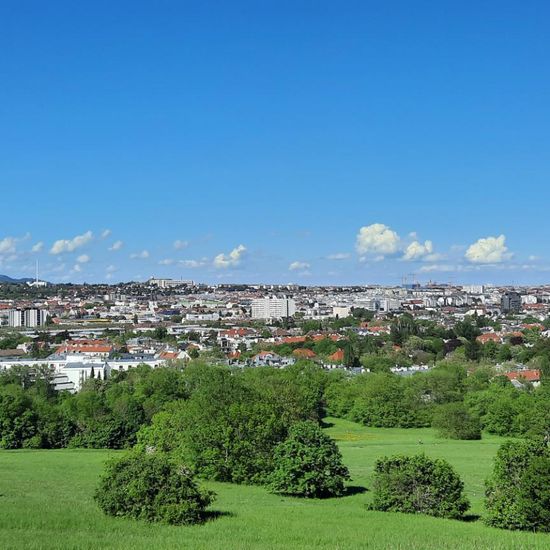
154, 487
383, 399
109, 413
454, 421
18, 419
418, 484
308, 464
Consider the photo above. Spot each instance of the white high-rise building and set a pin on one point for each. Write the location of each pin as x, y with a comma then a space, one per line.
473, 289
15, 318
170, 283
31, 318
272, 307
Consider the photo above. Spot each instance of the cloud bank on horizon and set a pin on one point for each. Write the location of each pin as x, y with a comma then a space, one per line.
376, 245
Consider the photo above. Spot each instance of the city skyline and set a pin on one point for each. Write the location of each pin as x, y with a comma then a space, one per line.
276, 145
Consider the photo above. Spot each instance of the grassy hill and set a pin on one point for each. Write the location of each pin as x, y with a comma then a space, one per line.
46, 502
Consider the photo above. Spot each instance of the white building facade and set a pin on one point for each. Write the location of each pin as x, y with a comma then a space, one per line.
272, 307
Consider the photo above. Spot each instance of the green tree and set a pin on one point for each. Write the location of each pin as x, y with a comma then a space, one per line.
418, 485
151, 487
472, 350
452, 420
466, 329
518, 490
381, 402
308, 464
18, 419
224, 431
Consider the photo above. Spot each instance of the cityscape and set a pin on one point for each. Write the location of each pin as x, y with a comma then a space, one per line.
243, 325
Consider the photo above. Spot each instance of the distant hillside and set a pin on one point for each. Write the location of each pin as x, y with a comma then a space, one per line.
6, 279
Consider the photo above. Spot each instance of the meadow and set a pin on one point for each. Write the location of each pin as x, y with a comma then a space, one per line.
46, 501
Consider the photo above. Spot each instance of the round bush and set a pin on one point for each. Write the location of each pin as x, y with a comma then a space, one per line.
418, 485
308, 464
151, 487
518, 490
453, 421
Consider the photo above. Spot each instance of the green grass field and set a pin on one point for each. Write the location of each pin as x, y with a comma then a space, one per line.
46, 502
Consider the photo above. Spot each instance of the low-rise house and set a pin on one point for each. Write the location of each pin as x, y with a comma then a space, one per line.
526, 375
489, 337
271, 359
304, 353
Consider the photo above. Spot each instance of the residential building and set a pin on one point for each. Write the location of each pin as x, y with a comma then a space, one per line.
510, 302
272, 307
31, 317
170, 283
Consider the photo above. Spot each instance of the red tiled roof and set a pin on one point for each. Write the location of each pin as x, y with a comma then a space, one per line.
337, 355
304, 352
319, 337
535, 326
531, 375
293, 340
534, 306
168, 355
488, 337
85, 346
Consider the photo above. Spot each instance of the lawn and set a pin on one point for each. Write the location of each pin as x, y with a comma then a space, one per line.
46, 502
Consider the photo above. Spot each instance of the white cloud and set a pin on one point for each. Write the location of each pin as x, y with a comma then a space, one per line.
223, 261
111, 269
70, 245
105, 233
439, 268
117, 245
166, 261
37, 247
295, 266
143, 255
339, 256
377, 239
8, 245
180, 245
416, 250
77, 268
83, 259
490, 250
193, 264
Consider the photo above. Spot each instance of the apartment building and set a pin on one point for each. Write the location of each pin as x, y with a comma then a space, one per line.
272, 307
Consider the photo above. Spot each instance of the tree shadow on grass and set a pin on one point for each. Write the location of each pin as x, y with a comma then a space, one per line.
354, 490
470, 518
212, 515
326, 424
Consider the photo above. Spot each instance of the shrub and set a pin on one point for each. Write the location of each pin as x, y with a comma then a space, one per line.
518, 490
308, 464
453, 421
151, 487
418, 485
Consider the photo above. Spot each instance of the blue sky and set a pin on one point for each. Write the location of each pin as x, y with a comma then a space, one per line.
311, 142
